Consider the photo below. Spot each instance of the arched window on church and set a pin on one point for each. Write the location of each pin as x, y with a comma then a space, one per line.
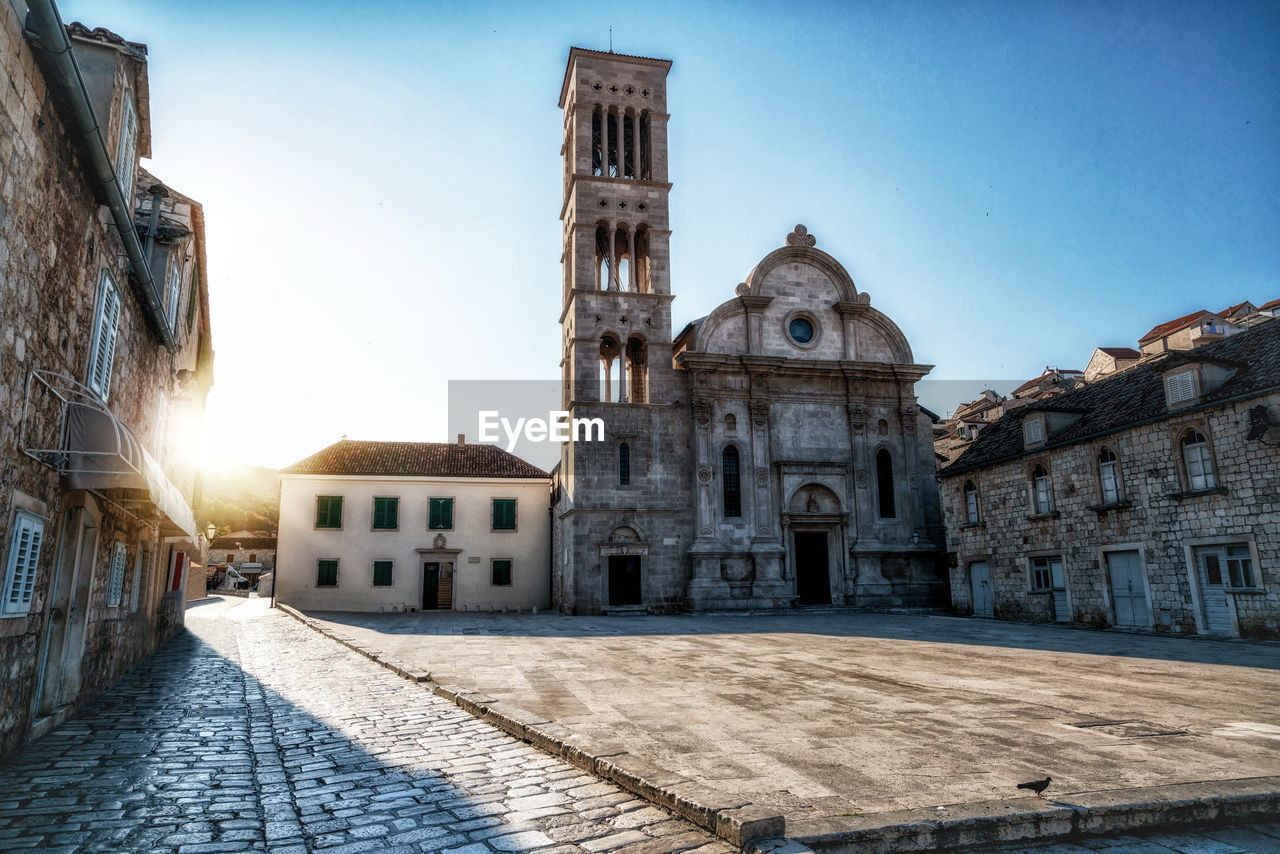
637, 370
884, 484
604, 257
732, 482
624, 464
597, 146
642, 260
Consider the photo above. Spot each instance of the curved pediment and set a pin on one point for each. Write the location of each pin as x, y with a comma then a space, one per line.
799, 302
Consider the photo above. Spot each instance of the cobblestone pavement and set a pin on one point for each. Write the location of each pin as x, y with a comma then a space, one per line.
252, 733
829, 714
1245, 839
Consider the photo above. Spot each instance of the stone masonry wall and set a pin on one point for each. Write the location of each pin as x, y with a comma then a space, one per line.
1159, 522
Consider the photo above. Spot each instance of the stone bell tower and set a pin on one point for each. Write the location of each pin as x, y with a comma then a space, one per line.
617, 271
616, 324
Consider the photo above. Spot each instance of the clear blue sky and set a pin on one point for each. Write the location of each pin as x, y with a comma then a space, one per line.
1013, 182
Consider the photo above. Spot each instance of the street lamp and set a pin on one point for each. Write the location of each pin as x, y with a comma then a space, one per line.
210, 531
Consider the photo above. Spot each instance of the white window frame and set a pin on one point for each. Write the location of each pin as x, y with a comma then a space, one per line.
106, 335
127, 149
1109, 477
1051, 566
26, 537
1181, 387
972, 510
135, 593
1041, 491
115, 575
173, 289
1197, 461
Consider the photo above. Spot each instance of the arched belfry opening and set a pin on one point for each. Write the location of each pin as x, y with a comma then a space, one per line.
622, 258
637, 370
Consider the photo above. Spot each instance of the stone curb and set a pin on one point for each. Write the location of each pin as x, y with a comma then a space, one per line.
1054, 819
733, 819
760, 830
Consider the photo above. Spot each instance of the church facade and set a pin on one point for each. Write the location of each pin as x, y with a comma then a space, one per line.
770, 455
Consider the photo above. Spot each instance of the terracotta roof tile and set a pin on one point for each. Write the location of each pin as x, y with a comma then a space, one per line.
1267, 306
1121, 352
1172, 326
415, 459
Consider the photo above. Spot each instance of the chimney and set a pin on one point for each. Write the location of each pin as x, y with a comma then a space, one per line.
462, 438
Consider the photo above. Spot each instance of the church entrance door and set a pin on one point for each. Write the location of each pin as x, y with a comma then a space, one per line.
624, 580
813, 577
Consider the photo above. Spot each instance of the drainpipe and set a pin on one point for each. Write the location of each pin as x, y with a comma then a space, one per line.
65, 79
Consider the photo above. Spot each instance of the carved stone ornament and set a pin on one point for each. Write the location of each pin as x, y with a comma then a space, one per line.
764, 531
705, 531
743, 290
438, 542
914, 479
759, 414
758, 381
704, 475
861, 478
858, 418
864, 298
701, 377
762, 477
701, 413
801, 237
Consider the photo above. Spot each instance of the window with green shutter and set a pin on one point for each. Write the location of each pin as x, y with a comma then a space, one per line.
504, 514
382, 573
328, 511
440, 514
326, 573
386, 514
500, 575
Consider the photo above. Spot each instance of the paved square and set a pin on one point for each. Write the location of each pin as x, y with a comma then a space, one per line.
829, 714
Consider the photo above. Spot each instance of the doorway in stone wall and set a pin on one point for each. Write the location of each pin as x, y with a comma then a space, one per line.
813, 571
68, 613
624, 581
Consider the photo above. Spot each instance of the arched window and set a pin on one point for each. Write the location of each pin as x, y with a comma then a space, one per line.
1041, 493
624, 464
1198, 461
732, 480
730, 423
1109, 477
884, 484
972, 513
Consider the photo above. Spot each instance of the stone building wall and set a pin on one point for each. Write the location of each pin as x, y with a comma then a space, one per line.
1158, 521
55, 241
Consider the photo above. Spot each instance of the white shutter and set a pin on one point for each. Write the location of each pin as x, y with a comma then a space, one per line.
127, 151
24, 561
174, 290
1033, 431
104, 344
1180, 387
115, 579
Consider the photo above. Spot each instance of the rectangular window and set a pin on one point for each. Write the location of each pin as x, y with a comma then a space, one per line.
382, 573
1047, 574
328, 511
115, 575
440, 514
127, 150
192, 293
106, 329
1230, 566
22, 563
1033, 431
504, 514
139, 563
1180, 387
326, 573
500, 573
386, 514
173, 288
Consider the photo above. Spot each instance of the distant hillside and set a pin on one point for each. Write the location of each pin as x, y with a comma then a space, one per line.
240, 497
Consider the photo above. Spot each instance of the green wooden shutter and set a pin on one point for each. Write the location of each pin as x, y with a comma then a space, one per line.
501, 573
504, 514
328, 511
382, 573
441, 514
326, 573
386, 513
